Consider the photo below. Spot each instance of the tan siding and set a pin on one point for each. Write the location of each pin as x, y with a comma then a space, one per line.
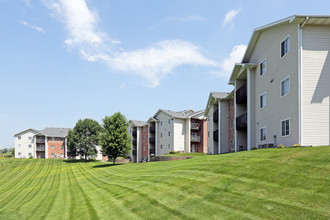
210, 131
224, 114
315, 85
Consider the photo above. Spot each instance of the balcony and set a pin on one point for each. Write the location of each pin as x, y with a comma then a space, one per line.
215, 115
152, 140
40, 140
241, 94
215, 135
134, 132
152, 152
152, 129
241, 121
195, 126
134, 142
40, 148
134, 152
195, 138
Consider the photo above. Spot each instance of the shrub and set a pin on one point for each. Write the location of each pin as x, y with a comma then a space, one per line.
296, 145
281, 146
254, 148
30, 157
172, 152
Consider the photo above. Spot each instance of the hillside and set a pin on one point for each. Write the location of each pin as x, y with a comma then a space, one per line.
262, 184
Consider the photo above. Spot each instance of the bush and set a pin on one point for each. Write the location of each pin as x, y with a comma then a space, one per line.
172, 152
281, 146
254, 148
30, 157
296, 145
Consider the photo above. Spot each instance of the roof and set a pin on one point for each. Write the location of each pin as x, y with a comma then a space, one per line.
138, 123
219, 95
182, 114
198, 114
294, 19
216, 96
30, 129
55, 132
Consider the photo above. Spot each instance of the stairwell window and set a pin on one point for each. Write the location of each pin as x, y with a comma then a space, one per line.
285, 86
285, 124
62, 147
262, 67
263, 100
169, 133
263, 134
285, 46
52, 146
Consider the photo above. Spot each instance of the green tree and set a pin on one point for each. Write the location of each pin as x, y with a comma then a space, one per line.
83, 139
114, 138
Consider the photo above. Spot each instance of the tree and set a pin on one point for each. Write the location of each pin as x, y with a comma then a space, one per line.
114, 137
83, 139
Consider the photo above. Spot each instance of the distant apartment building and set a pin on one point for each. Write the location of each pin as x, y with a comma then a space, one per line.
140, 143
47, 143
220, 123
282, 85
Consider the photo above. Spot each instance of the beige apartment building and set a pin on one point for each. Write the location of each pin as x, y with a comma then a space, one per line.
282, 86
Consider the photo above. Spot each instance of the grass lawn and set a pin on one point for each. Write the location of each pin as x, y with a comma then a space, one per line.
291, 183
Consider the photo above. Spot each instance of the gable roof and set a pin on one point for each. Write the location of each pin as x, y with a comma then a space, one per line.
214, 96
137, 123
54, 132
30, 129
182, 114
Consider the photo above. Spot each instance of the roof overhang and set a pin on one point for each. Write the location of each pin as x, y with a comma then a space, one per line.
30, 129
239, 68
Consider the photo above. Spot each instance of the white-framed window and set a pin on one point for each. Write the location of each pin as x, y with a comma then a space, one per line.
19, 154
19, 137
285, 86
161, 146
263, 100
62, 147
52, 155
263, 134
169, 121
161, 134
262, 67
30, 146
169, 146
161, 123
169, 133
30, 138
285, 46
52, 146
30, 154
62, 155
285, 125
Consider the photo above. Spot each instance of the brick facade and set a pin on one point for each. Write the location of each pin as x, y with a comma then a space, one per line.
56, 147
144, 145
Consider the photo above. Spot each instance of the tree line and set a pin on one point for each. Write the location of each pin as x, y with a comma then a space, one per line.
112, 136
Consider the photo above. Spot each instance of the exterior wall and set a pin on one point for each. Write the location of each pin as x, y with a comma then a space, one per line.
223, 124
200, 134
231, 127
205, 138
210, 131
57, 151
25, 145
277, 69
315, 78
180, 134
163, 140
145, 143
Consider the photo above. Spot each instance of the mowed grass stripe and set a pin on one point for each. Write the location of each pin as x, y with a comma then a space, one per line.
19, 167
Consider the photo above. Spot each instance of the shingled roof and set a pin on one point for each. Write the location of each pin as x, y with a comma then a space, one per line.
55, 132
181, 114
138, 123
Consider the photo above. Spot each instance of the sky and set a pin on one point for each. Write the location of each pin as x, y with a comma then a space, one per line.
65, 60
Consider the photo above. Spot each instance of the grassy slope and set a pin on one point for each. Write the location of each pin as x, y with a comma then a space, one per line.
262, 184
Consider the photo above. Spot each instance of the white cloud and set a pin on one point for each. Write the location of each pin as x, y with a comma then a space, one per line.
227, 64
229, 17
26, 24
152, 63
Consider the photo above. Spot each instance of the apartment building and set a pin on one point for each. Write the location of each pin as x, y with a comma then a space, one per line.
282, 85
140, 146
220, 115
47, 143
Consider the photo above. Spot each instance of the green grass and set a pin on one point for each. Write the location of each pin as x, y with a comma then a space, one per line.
291, 183
187, 154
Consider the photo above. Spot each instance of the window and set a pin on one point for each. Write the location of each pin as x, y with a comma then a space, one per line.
285, 86
285, 46
169, 146
263, 100
285, 127
52, 139
169, 133
19, 137
263, 134
262, 67
161, 123
30, 146
30, 138
208, 134
62, 139
52, 154
19, 154
161, 134
30, 154
62, 147
161, 146
169, 121
19, 145
231, 123
62, 155
52, 146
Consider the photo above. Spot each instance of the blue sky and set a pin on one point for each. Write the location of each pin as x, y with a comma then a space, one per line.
64, 60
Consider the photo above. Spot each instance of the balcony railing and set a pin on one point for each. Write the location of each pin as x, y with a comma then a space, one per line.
152, 140
241, 121
134, 152
241, 94
40, 140
195, 126
215, 135
40, 148
134, 142
134, 132
195, 138
152, 129
152, 152
215, 115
